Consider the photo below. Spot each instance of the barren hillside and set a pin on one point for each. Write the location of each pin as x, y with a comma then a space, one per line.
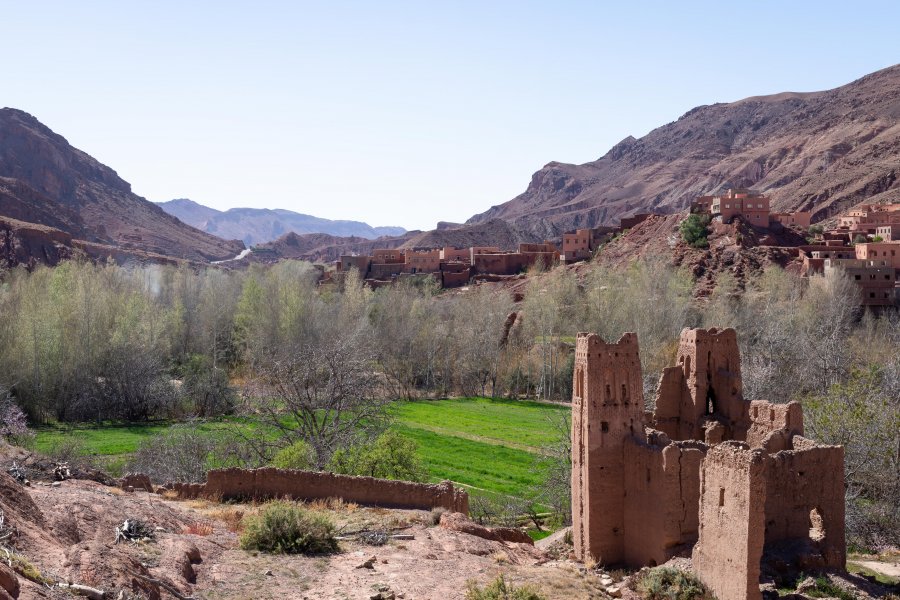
820, 151
47, 182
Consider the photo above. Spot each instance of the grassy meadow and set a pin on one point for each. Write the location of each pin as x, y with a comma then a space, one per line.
489, 445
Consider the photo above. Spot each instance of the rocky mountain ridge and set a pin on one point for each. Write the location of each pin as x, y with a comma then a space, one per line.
820, 151
46, 182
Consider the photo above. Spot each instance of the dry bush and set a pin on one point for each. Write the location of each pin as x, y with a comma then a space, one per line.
233, 518
499, 589
202, 529
664, 583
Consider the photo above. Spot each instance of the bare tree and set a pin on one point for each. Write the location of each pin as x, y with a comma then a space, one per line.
326, 395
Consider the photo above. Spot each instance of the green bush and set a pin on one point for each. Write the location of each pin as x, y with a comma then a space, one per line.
390, 456
877, 238
286, 528
860, 239
500, 590
693, 230
296, 456
664, 583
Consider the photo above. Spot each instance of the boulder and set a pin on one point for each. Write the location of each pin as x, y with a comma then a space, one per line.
9, 582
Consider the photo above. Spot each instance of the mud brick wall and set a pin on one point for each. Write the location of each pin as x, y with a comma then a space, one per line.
233, 484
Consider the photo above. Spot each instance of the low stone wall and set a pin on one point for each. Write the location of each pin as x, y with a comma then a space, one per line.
235, 484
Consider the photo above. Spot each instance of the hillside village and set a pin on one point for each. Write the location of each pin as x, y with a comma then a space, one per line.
864, 242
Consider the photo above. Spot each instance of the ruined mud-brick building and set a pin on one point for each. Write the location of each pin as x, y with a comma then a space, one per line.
707, 470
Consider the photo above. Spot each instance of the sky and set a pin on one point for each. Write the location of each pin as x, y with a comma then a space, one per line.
402, 113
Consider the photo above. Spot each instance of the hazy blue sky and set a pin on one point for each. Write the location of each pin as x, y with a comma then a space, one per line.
402, 113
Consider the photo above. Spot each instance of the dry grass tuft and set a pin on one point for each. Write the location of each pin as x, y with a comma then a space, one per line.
203, 529
233, 518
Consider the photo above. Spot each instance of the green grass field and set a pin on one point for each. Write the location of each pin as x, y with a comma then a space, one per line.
486, 444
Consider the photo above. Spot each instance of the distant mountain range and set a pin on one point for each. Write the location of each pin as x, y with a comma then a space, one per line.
819, 151
259, 225
55, 199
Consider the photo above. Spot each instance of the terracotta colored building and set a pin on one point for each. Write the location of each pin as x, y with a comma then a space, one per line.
749, 205
889, 233
797, 219
707, 470
582, 243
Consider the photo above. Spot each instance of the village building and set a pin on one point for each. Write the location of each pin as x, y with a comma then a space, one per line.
751, 206
581, 244
450, 267
733, 482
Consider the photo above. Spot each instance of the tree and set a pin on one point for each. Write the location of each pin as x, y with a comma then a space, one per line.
324, 394
390, 456
694, 230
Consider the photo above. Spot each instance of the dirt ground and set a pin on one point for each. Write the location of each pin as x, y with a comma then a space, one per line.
65, 533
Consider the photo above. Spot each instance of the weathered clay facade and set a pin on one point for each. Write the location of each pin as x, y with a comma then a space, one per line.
234, 484
707, 469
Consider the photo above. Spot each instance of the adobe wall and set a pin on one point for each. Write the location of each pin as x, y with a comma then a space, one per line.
229, 484
801, 481
450, 279
766, 417
732, 521
712, 369
607, 409
663, 483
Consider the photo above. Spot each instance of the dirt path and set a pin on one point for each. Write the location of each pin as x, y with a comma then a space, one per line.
476, 438
885, 568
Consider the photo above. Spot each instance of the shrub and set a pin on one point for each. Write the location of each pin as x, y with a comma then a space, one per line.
500, 590
390, 456
181, 453
13, 424
816, 229
296, 456
286, 528
860, 239
693, 230
664, 583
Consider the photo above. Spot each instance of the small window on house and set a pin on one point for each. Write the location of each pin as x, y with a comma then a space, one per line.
604, 426
871, 294
857, 277
721, 496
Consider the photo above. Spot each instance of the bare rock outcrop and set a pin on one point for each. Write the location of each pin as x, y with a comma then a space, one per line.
459, 522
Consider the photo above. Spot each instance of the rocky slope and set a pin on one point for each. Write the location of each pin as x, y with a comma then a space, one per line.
260, 225
46, 182
820, 151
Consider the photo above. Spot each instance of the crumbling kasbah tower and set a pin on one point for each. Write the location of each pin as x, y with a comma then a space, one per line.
606, 410
732, 482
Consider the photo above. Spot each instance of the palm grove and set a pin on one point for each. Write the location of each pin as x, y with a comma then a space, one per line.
310, 373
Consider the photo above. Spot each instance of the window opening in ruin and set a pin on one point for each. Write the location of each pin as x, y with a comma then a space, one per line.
604, 427
772, 415
816, 526
608, 392
710, 401
755, 412
721, 496
648, 475
624, 394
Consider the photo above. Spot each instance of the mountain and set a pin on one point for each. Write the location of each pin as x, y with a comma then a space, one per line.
320, 247
819, 151
260, 225
49, 187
